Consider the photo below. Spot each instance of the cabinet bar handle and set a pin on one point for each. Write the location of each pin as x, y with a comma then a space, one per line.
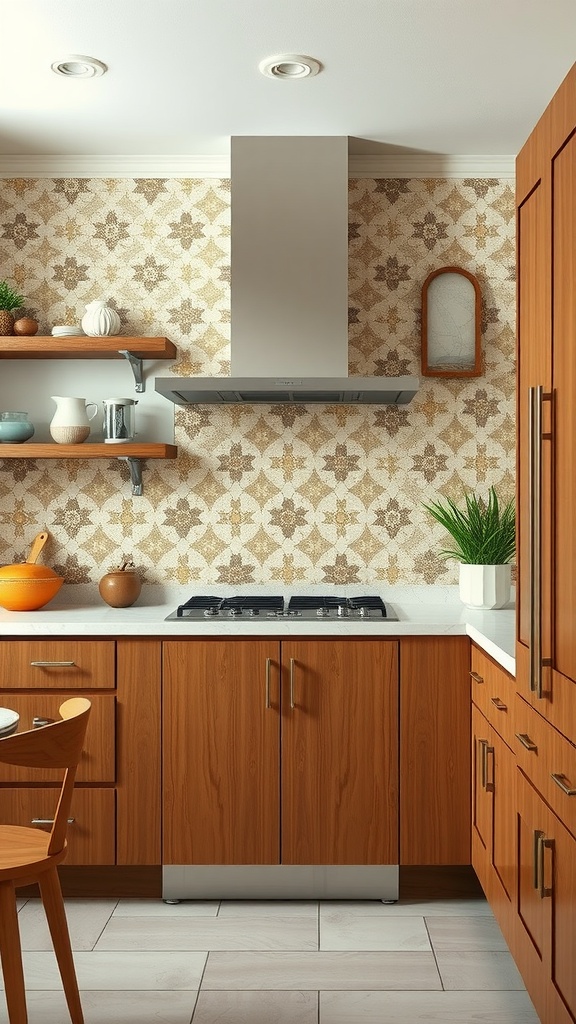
489, 786
292, 703
499, 704
536, 859
542, 844
52, 664
476, 677
268, 664
535, 532
561, 781
526, 741
48, 821
483, 744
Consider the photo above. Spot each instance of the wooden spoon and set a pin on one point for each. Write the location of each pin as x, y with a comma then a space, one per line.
37, 545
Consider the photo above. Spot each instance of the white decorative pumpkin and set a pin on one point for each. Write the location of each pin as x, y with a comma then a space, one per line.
100, 320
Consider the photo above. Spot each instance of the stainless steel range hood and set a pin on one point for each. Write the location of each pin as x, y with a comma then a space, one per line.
289, 282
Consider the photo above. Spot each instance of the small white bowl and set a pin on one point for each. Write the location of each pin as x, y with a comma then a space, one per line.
8, 721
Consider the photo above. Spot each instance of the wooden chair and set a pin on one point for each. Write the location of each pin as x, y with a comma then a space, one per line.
29, 855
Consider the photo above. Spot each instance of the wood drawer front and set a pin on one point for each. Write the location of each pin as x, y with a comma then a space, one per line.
92, 834
98, 762
493, 692
93, 664
553, 756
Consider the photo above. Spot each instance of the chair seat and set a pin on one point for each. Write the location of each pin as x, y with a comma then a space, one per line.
24, 852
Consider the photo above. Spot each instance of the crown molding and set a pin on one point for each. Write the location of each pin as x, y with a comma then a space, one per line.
138, 166
218, 166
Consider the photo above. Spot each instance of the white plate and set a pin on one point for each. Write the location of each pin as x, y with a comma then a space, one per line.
8, 721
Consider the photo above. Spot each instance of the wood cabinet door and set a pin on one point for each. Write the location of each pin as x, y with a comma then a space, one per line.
546, 939
434, 750
221, 745
339, 752
481, 796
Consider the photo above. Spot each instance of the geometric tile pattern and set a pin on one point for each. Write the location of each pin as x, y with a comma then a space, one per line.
267, 494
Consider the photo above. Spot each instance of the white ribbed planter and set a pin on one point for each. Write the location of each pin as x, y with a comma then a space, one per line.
485, 586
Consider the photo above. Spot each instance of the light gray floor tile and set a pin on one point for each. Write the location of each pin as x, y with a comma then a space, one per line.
353, 932
256, 1008
118, 971
426, 1008
480, 970
111, 1008
157, 908
209, 933
409, 908
86, 919
465, 933
321, 971
269, 908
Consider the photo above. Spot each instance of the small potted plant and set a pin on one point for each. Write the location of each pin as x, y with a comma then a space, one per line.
484, 536
9, 300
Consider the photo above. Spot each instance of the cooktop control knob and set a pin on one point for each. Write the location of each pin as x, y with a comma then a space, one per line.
322, 612
342, 611
210, 611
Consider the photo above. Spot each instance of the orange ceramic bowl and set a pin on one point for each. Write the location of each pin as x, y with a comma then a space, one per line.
25, 587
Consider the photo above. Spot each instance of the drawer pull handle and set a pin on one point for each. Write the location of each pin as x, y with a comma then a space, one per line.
476, 677
526, 741
47, 821
292, 701
499, 704
561, 781
52, 664
268, 664
38, 722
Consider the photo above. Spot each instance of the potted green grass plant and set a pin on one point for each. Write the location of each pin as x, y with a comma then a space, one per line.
484, 542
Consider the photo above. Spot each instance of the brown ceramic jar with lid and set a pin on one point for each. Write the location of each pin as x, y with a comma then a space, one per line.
121, 587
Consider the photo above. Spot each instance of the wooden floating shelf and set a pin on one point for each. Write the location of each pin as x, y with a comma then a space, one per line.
28, 450
84, 347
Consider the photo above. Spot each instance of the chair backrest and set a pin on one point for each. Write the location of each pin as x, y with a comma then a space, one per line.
57, 745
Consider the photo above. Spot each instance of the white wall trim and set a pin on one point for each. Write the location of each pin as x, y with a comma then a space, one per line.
218, 166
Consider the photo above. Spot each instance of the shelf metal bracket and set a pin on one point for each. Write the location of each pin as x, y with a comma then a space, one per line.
136, 364
135, 467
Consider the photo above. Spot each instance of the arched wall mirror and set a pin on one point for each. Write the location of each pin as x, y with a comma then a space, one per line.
451, 312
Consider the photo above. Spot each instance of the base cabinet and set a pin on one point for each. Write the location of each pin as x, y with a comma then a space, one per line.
493, 849
280, 752
545, 946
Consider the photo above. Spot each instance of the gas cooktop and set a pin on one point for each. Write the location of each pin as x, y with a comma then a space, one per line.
306, 608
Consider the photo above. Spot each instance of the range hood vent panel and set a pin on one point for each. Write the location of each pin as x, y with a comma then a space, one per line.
289, 283
270, 391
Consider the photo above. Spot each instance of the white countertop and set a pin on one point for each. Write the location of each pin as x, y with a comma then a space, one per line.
422, 611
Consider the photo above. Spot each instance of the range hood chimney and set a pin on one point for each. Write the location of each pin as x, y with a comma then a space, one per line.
289, 284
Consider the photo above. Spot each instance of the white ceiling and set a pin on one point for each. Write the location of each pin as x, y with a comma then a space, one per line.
411, 76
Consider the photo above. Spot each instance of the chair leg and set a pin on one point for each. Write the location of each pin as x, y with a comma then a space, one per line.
11, 954
51, 894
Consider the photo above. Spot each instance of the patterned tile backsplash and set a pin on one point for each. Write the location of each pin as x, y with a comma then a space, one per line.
289, 494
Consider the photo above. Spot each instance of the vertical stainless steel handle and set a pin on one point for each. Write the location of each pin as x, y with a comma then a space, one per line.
483, 744
489, 785
292, 664
537, 836
542, 844
535, 534
268, 664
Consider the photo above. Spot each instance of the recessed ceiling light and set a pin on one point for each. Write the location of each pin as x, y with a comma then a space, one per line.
289, 65
77, 66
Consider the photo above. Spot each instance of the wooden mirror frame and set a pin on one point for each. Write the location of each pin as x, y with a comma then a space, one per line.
452, 371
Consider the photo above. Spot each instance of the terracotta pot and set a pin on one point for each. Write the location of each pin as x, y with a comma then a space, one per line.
25, 326
25, 586
121, 587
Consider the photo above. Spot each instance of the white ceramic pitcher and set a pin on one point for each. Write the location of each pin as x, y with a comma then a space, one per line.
71, 421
